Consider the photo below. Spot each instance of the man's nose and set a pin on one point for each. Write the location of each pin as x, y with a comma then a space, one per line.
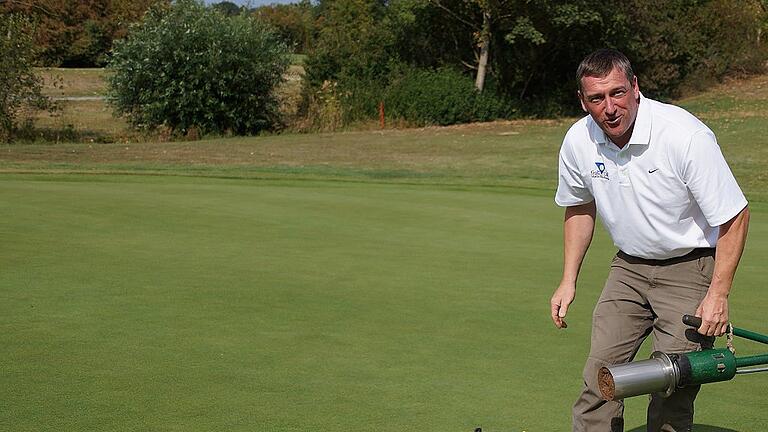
610, 107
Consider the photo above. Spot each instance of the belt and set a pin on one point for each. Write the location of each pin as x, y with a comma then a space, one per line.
690, 256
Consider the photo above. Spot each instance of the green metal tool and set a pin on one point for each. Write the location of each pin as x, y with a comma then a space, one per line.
663, 373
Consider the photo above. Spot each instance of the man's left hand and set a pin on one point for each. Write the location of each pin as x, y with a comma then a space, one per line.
713, 312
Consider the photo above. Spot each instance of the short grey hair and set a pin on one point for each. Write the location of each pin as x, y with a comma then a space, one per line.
601, 62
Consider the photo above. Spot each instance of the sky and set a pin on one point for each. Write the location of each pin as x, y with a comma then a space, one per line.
251, 3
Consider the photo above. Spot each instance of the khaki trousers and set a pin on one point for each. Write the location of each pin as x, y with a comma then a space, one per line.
640, 298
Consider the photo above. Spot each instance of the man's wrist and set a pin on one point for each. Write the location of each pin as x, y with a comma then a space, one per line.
719, 291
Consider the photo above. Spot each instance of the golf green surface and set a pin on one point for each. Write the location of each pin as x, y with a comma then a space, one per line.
193, 304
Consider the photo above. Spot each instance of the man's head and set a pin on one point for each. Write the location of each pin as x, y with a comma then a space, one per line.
608, 91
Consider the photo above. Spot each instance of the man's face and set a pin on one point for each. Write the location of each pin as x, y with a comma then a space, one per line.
612, 101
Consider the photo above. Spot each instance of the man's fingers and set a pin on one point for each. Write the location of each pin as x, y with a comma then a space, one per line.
559, 303
556, 317
712, 328
557, 320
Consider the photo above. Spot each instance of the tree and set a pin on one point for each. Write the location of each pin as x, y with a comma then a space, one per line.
188, 66
512, 25
20, 87
353, 41
227, 8
294, 22
78, 33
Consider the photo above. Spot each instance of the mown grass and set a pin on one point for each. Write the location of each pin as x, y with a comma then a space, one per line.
185, 303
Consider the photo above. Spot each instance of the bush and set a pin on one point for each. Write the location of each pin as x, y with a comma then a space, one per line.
187, 66
20, 87
442, 97
415, 96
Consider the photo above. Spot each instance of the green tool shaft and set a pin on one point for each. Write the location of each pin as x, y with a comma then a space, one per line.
746, 334
752, 360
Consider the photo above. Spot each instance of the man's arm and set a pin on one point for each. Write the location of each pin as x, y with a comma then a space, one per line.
578, 227
713, 310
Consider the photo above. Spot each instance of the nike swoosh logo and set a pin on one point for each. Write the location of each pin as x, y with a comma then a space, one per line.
652, 171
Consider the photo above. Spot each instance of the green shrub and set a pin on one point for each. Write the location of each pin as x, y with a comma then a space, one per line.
20, 87
187, 66
442, 97
360, 97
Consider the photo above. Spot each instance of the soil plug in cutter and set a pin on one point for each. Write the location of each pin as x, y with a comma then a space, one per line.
663, 373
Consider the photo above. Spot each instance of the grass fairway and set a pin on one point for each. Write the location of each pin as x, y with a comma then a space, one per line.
170, 303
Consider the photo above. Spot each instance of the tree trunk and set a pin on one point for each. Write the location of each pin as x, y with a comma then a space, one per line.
485, 45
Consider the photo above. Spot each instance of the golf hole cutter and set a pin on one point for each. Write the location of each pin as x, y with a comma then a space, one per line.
663, 373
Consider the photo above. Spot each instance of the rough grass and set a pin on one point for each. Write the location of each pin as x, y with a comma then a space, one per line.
72, 82
80, 121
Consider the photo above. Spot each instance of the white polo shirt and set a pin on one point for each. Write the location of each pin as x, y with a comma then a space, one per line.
664, 194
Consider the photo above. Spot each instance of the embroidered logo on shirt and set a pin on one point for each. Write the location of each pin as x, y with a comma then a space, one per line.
600, 172
652, 171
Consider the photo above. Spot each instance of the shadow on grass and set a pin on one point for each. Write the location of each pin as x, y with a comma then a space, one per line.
696, 428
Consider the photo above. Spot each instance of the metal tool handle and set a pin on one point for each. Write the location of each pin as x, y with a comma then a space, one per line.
695, 322
692, 321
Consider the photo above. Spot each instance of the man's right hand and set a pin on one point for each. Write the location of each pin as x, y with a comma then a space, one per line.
561, 299
578, 226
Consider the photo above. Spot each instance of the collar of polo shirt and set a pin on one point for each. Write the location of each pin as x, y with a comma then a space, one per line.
641, 133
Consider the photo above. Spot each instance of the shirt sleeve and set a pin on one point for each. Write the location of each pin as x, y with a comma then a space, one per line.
571, 189
710, 180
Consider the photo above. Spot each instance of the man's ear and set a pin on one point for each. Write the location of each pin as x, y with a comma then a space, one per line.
635, 87
581, 100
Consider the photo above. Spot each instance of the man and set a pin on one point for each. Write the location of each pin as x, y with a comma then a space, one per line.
656, 176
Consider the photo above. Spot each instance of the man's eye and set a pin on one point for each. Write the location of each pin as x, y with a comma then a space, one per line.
619, 93
595, 100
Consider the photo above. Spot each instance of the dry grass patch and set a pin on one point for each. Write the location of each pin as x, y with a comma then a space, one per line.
60, 82
83, 120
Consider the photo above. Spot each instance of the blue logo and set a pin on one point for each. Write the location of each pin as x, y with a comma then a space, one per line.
600, 173
600, 167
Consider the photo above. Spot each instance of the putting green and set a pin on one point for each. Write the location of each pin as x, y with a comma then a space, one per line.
165, 303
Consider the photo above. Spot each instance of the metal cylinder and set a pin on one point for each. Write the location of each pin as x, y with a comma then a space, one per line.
659, 374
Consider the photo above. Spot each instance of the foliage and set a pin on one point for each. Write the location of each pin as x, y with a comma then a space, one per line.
78, 33
678, 44
325, 108
20, 87
535, 46
441, 97
187, 66
294, 22
353, 42
356, 51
